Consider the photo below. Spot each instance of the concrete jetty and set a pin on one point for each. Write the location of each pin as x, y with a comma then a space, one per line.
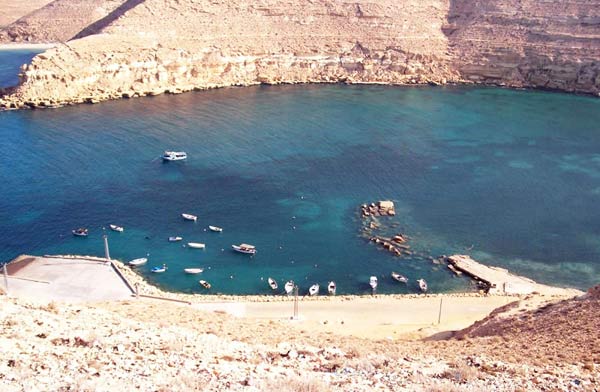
65, 279
500, 281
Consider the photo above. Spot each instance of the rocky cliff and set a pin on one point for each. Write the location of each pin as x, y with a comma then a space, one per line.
147, 47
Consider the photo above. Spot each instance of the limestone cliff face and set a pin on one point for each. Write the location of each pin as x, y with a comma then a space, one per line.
172, 46
527, 43
147, 47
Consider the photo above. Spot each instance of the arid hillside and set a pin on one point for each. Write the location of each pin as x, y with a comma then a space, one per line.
11, 10
57, 21
148, 47
154, 345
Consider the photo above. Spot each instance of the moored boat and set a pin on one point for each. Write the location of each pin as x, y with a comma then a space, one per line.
159, 269
273, 284
331, 288
136, 262
189, 217
289, 287
400, 278
215, 229
314, 289
175, 239
422, 285
116, 228
244, 248
373, 282
81, 232
196, 245
204, 284
193, 270
174, 155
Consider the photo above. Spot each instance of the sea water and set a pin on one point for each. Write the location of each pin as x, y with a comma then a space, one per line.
511, 178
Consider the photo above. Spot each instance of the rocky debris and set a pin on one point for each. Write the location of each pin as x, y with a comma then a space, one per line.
381, 208
393, 246
143, 346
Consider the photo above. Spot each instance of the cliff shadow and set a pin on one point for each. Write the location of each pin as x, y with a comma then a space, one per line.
100, 24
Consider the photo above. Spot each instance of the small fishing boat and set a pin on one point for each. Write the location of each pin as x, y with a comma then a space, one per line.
204, 284
189, 217
244, 248
331, 288
196, 245
159, 269
272, 284
400, 278
136, 262
373, 282
289, 287
314, 289
81, 232
175, 239
174, 155
116, 228
216, 229
422, 285
193, 270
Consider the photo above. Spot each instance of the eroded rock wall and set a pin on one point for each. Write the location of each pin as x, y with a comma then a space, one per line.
147, 47
173, 46
527, 43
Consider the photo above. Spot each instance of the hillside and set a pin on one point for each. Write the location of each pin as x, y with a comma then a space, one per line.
11, 10
148, 47
57, 21
157, 346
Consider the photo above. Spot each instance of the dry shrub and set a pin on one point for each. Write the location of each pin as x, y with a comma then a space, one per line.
461, 373
307, 383
51, 307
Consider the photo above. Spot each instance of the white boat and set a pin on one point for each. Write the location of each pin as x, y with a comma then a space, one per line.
244, 248
400, 278
175, 239
189, 217
136, 262
273, 284
159, 269
373, 282
422, 285
215, 229
81, 232
196, 245
289, 286
174, 155
204, 284
193, 270
314, 289
116, 228
331, 288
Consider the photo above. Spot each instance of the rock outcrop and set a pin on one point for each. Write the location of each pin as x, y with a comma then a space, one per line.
148, 47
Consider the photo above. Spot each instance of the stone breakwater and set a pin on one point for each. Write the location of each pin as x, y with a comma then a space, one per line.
165, 46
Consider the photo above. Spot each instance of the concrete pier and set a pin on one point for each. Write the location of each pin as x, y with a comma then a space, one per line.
501, 281
66, 279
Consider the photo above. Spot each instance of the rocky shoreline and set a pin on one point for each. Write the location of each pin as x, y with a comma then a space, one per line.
133, 53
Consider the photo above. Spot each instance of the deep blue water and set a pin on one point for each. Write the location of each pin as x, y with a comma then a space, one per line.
10, 63
509, 177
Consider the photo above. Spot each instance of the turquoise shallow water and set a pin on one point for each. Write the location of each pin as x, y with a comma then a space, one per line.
509, 177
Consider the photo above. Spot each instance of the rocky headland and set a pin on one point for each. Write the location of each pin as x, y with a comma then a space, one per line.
148, 47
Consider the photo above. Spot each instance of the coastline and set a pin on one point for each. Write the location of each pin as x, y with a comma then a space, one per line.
381, 316
25, 46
